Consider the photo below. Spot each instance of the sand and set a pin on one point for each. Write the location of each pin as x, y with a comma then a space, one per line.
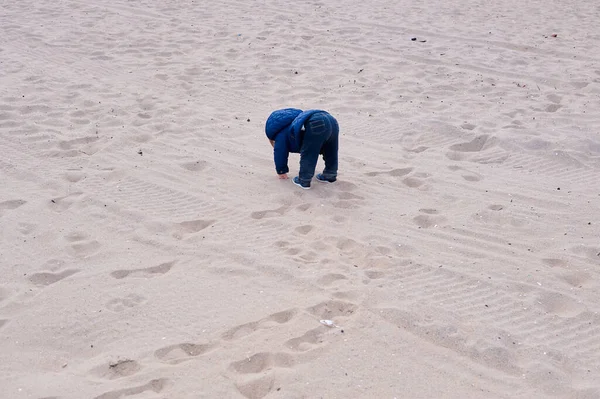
148, 250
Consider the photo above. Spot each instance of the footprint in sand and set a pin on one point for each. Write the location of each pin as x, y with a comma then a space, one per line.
48, 278
554, 98
553, 107
195, 166
121, 304
84, 248
339, 219
26, 228
293, 251
555, 103
269, 213
304, 229
577, 279
306, 256
156, 386
144, 272
74, 175
303, 207
347, 295
418, 150
269, 321
348, 200
554, 262
428, 218
61, 204
260, 362
285, 246
190, 227
560, 305
77, 144
347, 244
117, 369
475, 145
429, 211
306, 342
257, 388
345, 186
10, 205
331, 278
466, 174
472, 177
349, 196
80, 245
333, 308
175, 354
399, 172
413, 182
374, 274
343, 204
592, 253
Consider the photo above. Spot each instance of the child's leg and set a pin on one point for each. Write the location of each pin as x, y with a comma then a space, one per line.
317, 131
330, 152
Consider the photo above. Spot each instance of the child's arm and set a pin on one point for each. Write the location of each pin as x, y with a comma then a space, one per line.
280, 154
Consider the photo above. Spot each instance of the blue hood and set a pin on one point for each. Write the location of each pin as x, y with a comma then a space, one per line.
279, 120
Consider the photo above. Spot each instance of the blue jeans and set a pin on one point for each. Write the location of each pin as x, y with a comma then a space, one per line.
320, 137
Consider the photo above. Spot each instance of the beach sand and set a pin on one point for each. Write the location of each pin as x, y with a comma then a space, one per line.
148, 250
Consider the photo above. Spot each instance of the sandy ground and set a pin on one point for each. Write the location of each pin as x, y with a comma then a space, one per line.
147, 249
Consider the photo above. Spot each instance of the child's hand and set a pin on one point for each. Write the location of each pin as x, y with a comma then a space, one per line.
283, 176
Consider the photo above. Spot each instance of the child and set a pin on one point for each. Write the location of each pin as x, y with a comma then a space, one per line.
309, 133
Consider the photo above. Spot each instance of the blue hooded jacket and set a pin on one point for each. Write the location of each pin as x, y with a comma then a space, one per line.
284, 126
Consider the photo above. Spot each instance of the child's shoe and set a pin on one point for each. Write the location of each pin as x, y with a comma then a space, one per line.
323, 179
296, 181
